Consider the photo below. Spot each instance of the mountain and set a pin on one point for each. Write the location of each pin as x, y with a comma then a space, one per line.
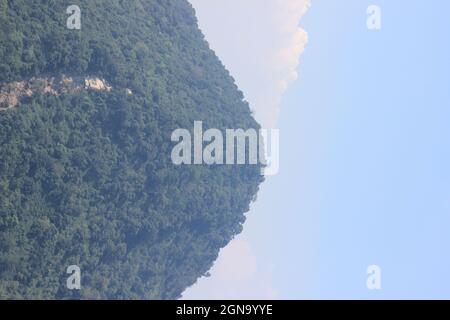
86, 176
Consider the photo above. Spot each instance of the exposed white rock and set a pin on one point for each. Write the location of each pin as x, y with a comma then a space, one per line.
96, 84
12, 93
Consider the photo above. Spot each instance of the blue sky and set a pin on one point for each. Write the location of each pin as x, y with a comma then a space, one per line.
364, 166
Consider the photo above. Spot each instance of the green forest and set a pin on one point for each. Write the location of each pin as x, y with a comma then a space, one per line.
86, 177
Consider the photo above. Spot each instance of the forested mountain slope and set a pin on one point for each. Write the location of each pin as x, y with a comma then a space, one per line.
86, 176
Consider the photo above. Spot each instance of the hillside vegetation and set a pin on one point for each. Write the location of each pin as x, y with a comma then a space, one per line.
86, 177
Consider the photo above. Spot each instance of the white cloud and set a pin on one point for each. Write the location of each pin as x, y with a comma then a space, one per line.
235, 275
260, 42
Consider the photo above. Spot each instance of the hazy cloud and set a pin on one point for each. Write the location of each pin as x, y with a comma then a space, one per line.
260, 42
235, 275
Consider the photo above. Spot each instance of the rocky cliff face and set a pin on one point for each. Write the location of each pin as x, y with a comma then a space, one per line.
11, 94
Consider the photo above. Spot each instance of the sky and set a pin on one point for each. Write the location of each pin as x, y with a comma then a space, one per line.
364, 148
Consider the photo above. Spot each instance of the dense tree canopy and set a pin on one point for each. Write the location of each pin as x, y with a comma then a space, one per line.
86, 177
